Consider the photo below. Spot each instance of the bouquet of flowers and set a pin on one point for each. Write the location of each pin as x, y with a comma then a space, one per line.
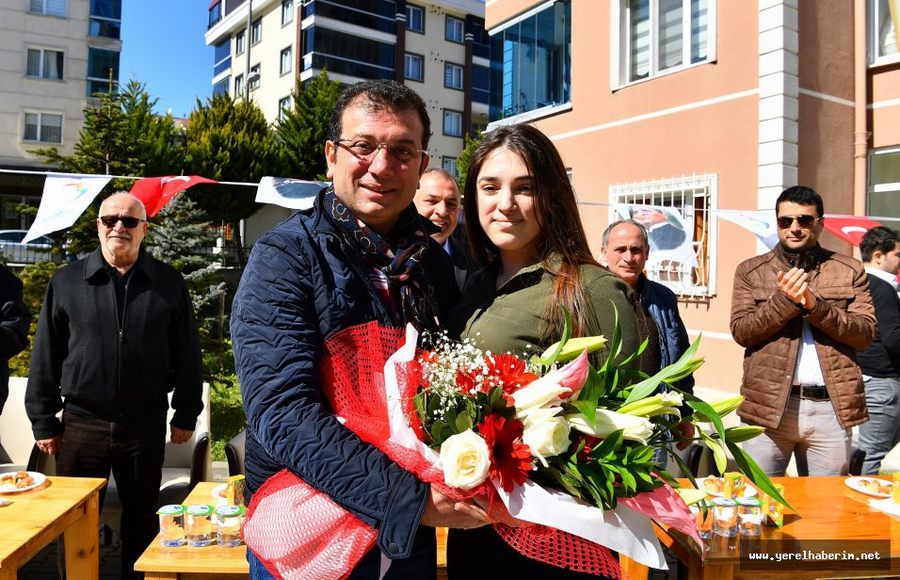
568, 448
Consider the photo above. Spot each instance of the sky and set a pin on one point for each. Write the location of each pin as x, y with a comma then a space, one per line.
163, 47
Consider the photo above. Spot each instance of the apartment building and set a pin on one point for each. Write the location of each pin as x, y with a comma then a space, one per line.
439, 48
54, 55
708, 106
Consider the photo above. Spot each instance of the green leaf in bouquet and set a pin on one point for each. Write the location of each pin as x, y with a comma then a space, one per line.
631, 357
586, 408
718, 451
752, 471
438, 429
682, 466
642, 454
705, 409
607, 449
463, 422
675, 371
434, 405
628, 480
549, 359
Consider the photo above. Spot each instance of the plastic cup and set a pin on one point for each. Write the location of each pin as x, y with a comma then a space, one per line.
725, 517
171, 525
198, 525
703, 518
230, 518
749, 516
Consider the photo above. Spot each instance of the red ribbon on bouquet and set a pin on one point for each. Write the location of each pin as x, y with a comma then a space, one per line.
297, 531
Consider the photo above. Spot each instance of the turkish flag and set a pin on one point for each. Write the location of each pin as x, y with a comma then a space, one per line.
849, 228
156, 192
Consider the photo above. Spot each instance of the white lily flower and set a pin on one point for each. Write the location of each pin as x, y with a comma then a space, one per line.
635, 428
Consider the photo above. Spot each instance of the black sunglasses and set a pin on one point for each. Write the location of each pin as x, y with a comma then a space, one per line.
129, 222
805, 221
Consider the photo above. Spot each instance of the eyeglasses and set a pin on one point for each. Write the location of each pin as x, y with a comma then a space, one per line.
128, 221
804, 221
365, 150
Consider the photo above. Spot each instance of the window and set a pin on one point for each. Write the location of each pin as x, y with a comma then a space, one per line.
454, 29
657, 36
222, 57
287, 11
43, 128
106, 18
535, 54
883, 42
48, 7
284, 106
253, 78
221, 87
256, 32
215, 14
414, 67
453, 76
449, 164
884, 185
103, 70
45, 64
239, 42
415, 18
453, 123
239, 86
688, 205
286, 61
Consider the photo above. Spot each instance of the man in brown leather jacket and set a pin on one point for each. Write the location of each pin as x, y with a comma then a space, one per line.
801, 312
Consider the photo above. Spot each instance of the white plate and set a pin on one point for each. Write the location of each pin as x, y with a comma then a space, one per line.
855, 483
39, 478
749, 490
218, 492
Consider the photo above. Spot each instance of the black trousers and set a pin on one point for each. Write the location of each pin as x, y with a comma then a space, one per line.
480, 554
133, 450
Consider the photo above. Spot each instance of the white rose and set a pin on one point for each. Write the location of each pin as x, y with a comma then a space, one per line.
635, 428
465, 459
537, 394
545, 434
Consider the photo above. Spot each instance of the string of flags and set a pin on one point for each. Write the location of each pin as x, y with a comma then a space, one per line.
66, 196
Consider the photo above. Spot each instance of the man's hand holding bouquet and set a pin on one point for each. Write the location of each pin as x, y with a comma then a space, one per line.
550, 441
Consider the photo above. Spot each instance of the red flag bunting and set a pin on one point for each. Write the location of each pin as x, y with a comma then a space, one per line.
156, 192
849, 228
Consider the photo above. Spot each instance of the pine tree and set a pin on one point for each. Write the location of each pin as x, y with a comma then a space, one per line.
462, 162
228, 141
301, 133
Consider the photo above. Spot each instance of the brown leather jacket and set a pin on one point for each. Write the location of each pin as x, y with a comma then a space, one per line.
768, 325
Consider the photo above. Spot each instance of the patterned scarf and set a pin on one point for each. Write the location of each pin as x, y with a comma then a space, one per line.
398, 256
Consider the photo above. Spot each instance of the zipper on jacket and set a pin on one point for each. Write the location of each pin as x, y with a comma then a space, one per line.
120, 322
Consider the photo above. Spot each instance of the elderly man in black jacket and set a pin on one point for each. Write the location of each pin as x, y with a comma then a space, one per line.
116, 333
14, 319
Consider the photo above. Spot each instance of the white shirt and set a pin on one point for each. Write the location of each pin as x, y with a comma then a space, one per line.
808, 371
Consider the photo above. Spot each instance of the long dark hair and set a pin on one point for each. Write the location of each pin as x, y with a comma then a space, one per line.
557, 212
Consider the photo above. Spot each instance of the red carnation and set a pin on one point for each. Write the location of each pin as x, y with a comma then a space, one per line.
507, 370
590, 442
465, 380
510, 461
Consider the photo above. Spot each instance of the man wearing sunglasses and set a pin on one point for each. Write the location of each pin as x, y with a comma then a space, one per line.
801, 312
116, 334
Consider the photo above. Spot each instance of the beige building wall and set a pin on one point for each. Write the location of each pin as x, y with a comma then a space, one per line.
20, 94
775, 106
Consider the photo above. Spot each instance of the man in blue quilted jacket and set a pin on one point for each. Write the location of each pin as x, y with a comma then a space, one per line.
362, 253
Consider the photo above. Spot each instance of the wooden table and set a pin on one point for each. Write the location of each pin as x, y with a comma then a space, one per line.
831, 518
68, 506
159, 562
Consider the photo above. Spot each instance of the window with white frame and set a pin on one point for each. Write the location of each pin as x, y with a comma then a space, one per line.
453, 123
454, 29
48, 7
882, 17
256, 32
883, 203
239, 40
453, 76
449, 164
659, 36
253, 78
286, 61
680, 218
414, 67
284, 106
239, 86
43, 127
287, 11
45, 64
415, 18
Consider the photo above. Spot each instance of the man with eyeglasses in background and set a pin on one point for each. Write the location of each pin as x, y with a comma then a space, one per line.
115, 335
801, 312
361, 254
